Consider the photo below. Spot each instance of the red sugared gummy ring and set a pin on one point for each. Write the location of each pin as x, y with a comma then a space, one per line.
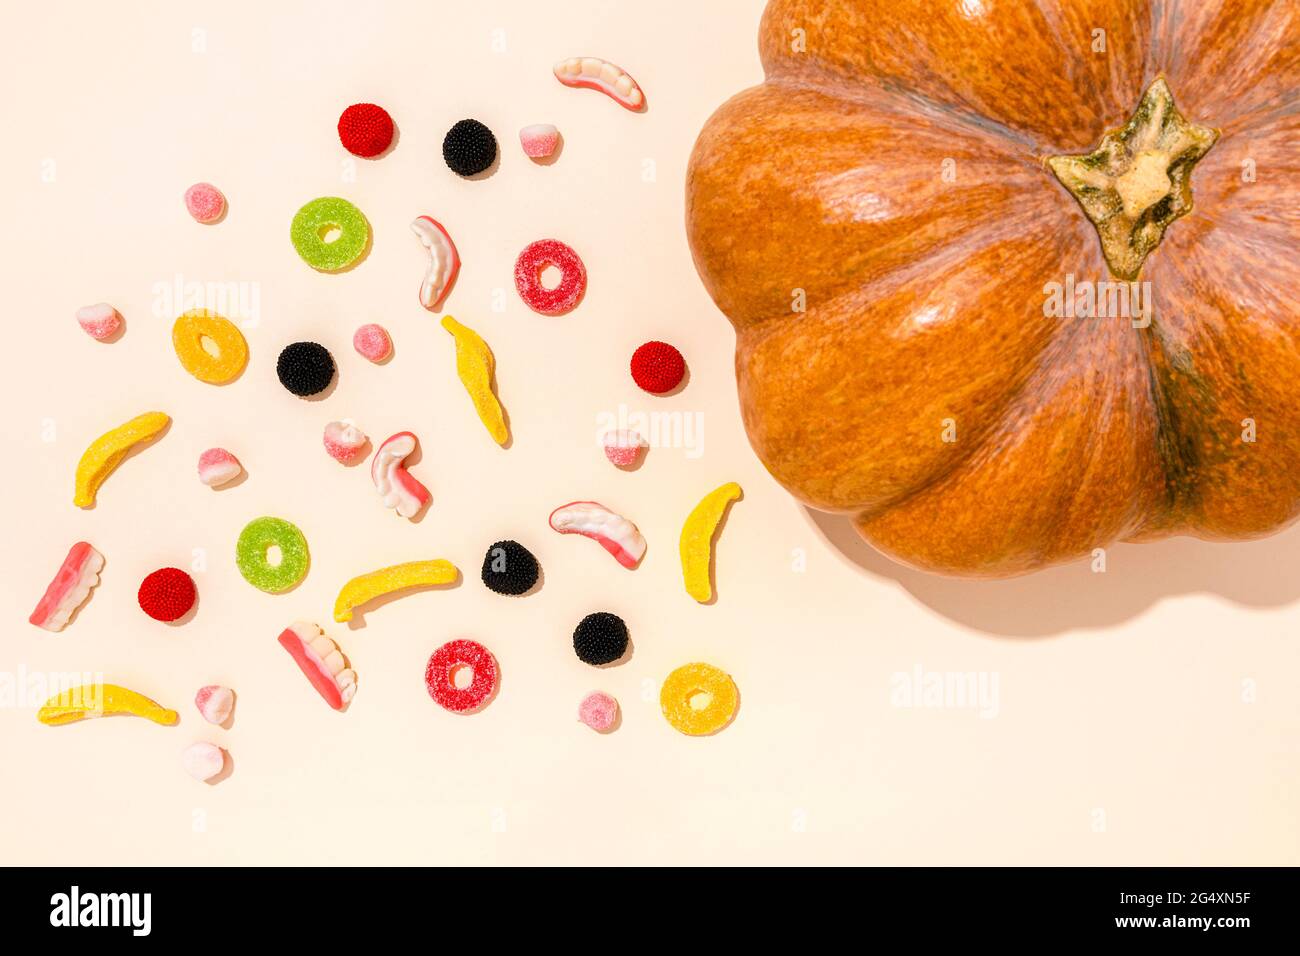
439, 676
534, 260
658, 367
365, 129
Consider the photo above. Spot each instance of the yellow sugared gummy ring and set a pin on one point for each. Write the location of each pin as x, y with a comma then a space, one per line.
188, 333
690, 680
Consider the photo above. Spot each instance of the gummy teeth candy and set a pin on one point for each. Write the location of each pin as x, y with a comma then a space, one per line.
593, 73
615, 533
413, 574
321, 662
444, 261
696, 543
72, 583
398, 487
107, 451
101, 700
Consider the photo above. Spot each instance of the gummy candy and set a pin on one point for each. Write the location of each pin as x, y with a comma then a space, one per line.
539, 140
535, 259
215, 703
100, 321
399, 577
398, 488
205, 202
72, 583
658, 367
687, 683
475, 366
188, 333
372, 342
444, 261
167, 594
696, 544
615, 533
598, 711
321, 662
365, 130
623, 447
329, 233
593, 73
203, 761
305, 368
257, 538
107, 451
218, 466
440, 675
344, 441
101, 700
469, 148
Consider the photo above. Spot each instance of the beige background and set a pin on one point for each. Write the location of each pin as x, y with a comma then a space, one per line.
1147, 714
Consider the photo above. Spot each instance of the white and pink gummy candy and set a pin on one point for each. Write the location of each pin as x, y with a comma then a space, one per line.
205, 202
100, 321
598, 711
623, 447
372, 342
215, 703
218, 466
344, 441
203, 761
539, 140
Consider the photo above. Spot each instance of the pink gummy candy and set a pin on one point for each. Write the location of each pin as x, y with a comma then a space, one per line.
598, 711
218, 466
539, 140
344, 441
215, 703
372, 342
205, 202
99, 321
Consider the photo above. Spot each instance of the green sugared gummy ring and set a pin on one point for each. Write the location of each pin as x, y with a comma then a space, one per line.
257, 538
319, 218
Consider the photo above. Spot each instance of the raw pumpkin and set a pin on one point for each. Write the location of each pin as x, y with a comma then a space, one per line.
897, 218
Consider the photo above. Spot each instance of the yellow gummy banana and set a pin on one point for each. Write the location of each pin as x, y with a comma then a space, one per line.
101, 700
475, 365
107, 451
413, 574
697, 539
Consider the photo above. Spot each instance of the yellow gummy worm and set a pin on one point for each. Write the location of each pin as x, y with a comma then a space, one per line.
697, 539
107, 451
475, 365
413, 574
101, 700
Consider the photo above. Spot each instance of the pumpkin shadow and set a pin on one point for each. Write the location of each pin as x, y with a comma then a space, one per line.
1073, 597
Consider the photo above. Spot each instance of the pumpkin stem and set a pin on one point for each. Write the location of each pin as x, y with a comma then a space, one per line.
1139, 178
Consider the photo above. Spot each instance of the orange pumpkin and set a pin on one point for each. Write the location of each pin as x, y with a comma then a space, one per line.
924, 225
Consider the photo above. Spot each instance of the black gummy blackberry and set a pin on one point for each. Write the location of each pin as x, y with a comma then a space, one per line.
305, 368
469, 148
600, 638
509, 568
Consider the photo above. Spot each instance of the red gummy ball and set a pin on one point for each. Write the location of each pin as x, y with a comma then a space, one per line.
365, 129
658, 367
167, 594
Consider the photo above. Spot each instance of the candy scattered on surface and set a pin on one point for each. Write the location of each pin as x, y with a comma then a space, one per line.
203, 761
696, 544
476, 367
251, 554
372, 342
399, 577
205, 202
536, 258
598, 711
215, 703
100, 321
440, 675
365, 130
600, 638
469, 148
167, 594
107, 451
444, 261
218, 466
190, 331
593, 73
305, 368
613, 532
321, 662
344, 441
72, 583
623, 447
539, 140
397, 487
658, 367
681, 691
509, 568
329, 233
88, 701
